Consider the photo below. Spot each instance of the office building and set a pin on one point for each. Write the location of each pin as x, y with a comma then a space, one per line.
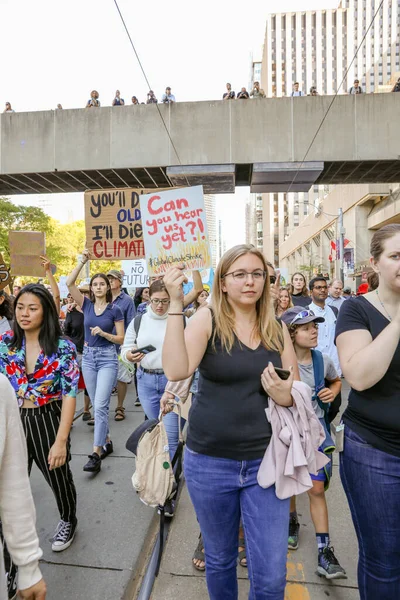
316, 48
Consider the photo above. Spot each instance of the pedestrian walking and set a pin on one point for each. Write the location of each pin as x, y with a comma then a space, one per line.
299, 291
17, 509
236, 344
42, 368
100, 361
318, 371
367, 337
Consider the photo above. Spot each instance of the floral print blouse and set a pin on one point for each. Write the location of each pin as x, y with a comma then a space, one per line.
54, 376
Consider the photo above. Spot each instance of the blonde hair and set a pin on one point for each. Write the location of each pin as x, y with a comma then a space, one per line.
285, 289
266, 327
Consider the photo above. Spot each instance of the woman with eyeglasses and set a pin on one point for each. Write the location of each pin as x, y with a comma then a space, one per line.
299, 291
236, 343
150, 373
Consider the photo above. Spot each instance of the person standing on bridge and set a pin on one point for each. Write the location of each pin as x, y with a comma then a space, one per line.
168, 97
93, 101
236, 344
229, 94
100, 360
118, 101
367, 338
356, 88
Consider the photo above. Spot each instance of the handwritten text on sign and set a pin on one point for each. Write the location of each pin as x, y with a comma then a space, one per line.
113, 223
175, 229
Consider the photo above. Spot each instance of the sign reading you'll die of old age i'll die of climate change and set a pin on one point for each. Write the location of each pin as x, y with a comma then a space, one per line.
113, 224
175, 229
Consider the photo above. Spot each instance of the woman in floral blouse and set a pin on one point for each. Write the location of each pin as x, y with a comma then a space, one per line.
42, 368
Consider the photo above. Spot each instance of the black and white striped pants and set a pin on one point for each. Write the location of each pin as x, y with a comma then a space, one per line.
41, 426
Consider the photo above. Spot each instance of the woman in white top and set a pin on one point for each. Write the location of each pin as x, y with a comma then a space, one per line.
150, 374
6, 312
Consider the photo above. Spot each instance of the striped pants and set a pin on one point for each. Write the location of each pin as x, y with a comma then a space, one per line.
41, 426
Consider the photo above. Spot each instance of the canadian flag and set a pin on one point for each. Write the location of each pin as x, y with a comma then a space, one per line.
335, 249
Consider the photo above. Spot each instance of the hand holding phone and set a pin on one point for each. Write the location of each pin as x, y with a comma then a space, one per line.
282, 373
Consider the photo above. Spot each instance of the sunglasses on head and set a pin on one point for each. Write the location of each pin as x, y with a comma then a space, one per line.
302, 315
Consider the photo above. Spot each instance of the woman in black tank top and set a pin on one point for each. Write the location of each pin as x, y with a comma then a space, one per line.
235, 345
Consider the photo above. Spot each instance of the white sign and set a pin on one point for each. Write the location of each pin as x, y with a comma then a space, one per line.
62, 286
135, 274
175, 229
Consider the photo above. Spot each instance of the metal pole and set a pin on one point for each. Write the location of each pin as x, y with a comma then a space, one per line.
341, 244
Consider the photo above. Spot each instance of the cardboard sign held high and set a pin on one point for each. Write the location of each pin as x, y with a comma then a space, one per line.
175, 229
26, 247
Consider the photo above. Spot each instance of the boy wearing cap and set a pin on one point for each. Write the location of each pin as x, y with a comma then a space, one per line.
126, 304
302, 324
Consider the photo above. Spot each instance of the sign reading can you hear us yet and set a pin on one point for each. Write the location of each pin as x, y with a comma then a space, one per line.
113, 224
175, 229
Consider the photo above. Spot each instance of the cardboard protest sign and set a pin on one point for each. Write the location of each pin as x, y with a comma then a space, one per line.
5, 277
175, 229
113, 224
135, 274
26, 247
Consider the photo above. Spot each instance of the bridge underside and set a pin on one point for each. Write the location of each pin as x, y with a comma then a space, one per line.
216, 179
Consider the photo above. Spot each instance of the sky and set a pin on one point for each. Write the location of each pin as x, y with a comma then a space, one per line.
57, 51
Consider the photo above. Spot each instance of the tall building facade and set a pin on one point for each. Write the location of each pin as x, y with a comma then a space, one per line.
211, 216
316, 48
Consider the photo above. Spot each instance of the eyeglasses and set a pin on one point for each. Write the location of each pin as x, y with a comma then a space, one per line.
257, 275
156, 301
272, 279
302, 315
320, 287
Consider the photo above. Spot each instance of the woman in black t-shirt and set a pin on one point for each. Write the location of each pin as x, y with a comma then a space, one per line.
235, 347
367, 337
298, 290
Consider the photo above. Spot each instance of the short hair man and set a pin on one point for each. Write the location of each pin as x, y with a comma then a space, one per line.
356, 88
335, 291
257, 92
296, 90
168, 97
243, 94
229, 94
326, 330
125, 303
346, 293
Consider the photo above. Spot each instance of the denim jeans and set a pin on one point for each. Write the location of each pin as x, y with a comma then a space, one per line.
150, 389
223, 490
371, 480
100, 369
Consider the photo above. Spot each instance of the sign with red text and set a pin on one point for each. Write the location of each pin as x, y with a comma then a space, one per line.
175, 229
113, 224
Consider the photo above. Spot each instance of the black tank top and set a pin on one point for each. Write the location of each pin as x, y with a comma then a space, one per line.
227, 418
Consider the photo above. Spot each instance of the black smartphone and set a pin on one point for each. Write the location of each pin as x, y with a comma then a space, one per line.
282, 373
144, 350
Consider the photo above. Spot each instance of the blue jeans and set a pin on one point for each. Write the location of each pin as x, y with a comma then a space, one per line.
150, 389
100, 369
223, 490
371, 480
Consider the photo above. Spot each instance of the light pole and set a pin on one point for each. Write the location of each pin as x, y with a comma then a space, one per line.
341, 233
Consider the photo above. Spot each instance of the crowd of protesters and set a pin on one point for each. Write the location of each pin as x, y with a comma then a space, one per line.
169, 98
249, 345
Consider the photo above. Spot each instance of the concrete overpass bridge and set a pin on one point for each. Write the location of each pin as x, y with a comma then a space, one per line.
257, 143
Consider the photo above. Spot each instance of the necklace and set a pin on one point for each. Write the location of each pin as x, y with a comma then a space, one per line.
383, 306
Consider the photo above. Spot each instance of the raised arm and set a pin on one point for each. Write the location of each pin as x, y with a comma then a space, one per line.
183, 349
53, 283
358, 354
195, 291
72, 277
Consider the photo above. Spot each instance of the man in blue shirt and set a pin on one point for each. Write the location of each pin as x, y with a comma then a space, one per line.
335, 291
125, 303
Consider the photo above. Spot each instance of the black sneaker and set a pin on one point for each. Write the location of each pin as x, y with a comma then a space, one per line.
94, 463
169, 508
64, 535
137, 402
86, 416
328, 565
293, 539
107, 449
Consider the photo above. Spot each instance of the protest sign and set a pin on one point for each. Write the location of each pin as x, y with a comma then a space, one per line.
135, 274
26, 248
207, 277
5, 276
62, 286
175, 229
113, 224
